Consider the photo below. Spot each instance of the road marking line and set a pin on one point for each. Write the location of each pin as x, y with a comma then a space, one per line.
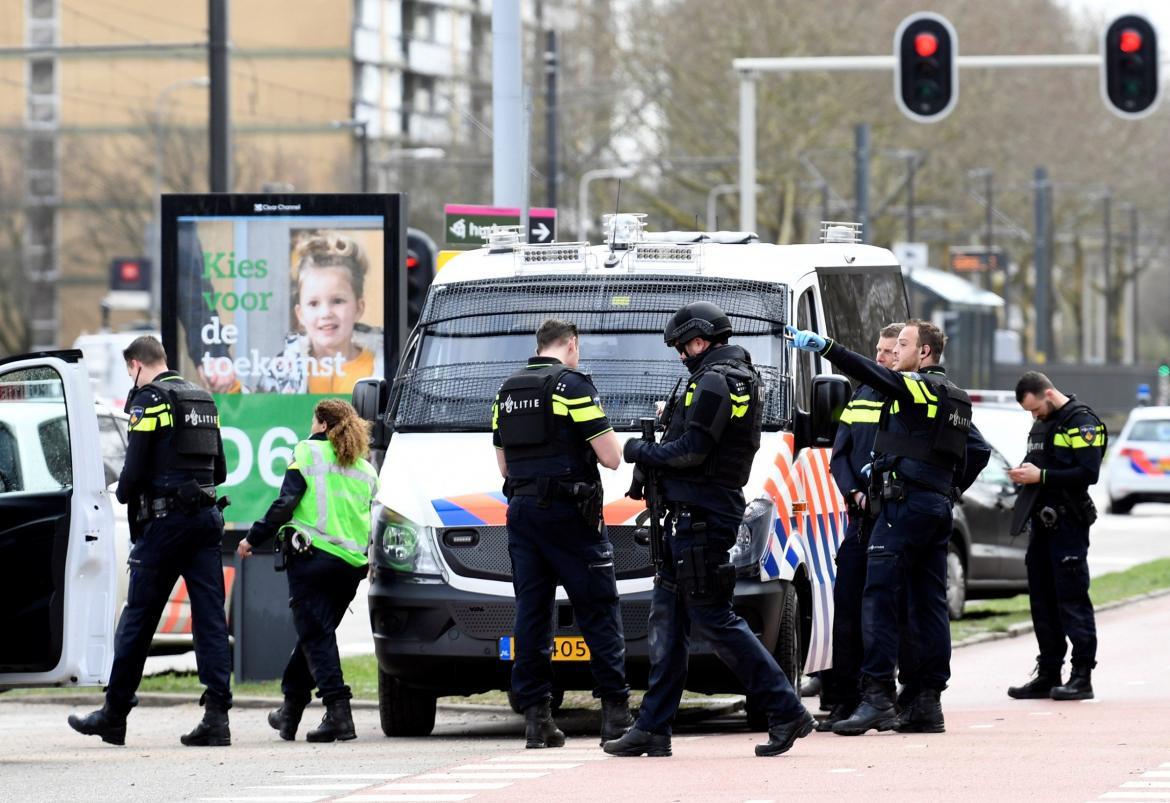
440, 785
494, 768
1146, 785
599, 756
1156, 774
408, 796
1148, 796
688, 738
385, 776
310, 787
455, 775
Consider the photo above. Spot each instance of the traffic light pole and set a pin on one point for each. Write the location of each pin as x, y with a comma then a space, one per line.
750, 70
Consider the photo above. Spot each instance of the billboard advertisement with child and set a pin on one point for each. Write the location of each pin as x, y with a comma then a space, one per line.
272, 302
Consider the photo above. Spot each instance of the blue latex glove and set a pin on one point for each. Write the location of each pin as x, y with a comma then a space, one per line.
805, 340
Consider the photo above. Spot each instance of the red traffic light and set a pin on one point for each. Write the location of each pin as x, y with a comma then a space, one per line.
926, 45
411, 261
129, 272
1131, 41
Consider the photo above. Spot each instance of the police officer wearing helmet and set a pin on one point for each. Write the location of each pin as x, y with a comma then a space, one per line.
926, 453
323, 518
704, 460
550, 432
174, 460
1065, 448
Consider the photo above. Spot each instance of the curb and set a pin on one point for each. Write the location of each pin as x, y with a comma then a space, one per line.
1025, 628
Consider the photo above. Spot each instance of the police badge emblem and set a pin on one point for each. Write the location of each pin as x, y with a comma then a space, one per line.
135, 415
1088, 433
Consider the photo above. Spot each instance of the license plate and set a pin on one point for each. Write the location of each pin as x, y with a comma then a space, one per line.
565, 648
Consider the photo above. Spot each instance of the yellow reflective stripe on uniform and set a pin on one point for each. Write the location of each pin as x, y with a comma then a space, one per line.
739, 410
560, 409
164, 419
895, 407
158, 408
144, 425
495, 415
690, 393
866, 403
915, 389
931, 410
599, 434
1072, 441
926, 389
572, 402
852, 416
582, 414
747, 397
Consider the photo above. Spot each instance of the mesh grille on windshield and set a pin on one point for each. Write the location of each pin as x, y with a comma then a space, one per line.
459, 396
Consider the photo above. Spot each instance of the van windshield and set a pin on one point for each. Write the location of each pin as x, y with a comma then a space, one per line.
472, 335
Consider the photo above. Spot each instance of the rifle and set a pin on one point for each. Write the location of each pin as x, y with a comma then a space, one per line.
653, 502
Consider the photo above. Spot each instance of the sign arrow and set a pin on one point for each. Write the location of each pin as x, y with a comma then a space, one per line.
541, 232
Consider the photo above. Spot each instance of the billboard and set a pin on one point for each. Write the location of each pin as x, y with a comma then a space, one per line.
273, 302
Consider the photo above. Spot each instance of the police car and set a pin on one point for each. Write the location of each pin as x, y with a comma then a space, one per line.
441, 601
1139, 464
58, 552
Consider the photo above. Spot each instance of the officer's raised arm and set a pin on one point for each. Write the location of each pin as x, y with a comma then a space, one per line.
884, 380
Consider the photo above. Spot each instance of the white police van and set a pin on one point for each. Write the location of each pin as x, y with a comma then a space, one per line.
58, 558
441, 600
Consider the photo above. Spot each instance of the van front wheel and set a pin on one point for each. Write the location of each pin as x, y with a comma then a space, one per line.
404, 710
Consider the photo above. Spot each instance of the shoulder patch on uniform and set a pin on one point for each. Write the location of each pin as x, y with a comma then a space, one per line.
1088, 432
136, 414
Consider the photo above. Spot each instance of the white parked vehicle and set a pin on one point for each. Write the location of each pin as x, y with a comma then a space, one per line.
1138, 469
441, 600
58, 556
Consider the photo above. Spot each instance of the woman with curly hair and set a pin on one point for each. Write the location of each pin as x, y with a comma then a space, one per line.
323, 518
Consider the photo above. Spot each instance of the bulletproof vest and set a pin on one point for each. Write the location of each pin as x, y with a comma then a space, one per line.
195, 421
535, 442
729, 464
937, 431
1042, 437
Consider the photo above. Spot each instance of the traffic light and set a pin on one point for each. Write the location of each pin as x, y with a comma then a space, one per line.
1129, 66
420, 270
926, 75
130, 273
1164, 369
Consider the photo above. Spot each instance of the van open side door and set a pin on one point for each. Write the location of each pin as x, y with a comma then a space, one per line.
57, 552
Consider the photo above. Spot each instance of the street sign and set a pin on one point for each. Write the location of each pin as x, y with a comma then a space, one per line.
976, 259
912, 256
468, 225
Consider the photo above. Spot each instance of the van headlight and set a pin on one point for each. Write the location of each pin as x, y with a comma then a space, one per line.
753, 534
404, 546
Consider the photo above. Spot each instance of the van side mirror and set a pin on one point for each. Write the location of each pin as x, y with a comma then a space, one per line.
369, 398
830, 395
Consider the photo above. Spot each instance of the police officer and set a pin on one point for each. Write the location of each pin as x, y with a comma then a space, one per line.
850, 466
1065, 448
174, 460
323, 518
926, 452
550, 432
704, 461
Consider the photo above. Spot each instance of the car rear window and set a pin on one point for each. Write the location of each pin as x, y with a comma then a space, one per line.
1152, 430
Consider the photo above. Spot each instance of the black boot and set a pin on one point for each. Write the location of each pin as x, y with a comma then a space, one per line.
212, 731
783, 735
1039, 687
1079, 686
336, 725
286, 718
636, 742
539, 729
923, 714
812, 686
839, 712
615, 719
103, 723
877, 710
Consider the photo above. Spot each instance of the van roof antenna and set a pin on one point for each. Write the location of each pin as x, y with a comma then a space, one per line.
612, 260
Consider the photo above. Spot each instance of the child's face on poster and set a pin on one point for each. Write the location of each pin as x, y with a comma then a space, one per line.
328, 309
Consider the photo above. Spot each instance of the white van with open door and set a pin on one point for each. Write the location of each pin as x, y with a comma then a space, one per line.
57, 551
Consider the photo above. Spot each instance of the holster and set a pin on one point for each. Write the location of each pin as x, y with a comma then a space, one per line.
700, 571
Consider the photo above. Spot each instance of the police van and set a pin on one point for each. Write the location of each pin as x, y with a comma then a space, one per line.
58, 557
441, 600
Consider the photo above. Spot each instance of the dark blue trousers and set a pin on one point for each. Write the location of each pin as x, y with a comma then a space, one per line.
178, 545
1058, 591
320, 588
549, 546
907, 554
672, 615
843, 681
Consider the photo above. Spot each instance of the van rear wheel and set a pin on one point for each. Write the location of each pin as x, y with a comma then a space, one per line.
404, 710
788, 654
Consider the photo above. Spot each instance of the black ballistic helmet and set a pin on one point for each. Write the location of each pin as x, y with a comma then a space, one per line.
697, 319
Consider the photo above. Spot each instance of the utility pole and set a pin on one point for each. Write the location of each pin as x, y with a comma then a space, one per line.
911, 167
551, 66
1041, 190
1109, 352
1132, 356
861, 176
508, 164
219, 118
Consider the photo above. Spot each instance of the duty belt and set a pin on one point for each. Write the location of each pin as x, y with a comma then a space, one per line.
157, 507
